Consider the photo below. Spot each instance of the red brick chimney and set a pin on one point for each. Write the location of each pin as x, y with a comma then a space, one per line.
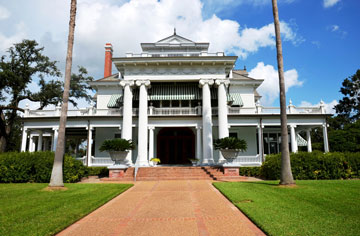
108, 62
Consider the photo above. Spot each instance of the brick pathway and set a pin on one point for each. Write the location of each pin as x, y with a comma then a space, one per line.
166, 208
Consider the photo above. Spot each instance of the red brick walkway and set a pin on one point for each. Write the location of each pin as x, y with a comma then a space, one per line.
166, 208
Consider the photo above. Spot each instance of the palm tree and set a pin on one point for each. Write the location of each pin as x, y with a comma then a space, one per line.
57, 171
286, 176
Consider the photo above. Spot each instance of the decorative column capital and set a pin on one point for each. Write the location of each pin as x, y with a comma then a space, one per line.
142, 82
202, 82
225, 82
123, 83
55, 128
198, 127
151, 127
292, 126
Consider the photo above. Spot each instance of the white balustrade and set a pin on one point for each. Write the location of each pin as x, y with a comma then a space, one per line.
101, 161
172, 111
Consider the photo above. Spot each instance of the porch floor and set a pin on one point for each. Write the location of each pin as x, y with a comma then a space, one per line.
166, 208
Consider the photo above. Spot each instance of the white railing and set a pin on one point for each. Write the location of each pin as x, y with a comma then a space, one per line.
173, 111
82, 159
101, 161
248, 160
307, 110
190, 54
241, 110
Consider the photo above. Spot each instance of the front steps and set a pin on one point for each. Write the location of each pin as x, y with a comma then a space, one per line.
176, 173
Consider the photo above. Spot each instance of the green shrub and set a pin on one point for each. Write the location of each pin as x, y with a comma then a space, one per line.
99, 171
249, 171
353, 158
230, 143
117, 144
314, 165
22, 167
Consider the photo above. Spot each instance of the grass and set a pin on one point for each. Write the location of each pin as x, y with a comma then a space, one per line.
27, 209
327, 207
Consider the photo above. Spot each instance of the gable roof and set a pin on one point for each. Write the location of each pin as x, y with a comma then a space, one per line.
111, 78
175, 39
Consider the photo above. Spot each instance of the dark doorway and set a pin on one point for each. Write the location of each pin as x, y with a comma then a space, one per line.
175, 145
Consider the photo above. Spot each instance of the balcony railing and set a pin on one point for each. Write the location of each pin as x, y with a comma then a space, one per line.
174, 111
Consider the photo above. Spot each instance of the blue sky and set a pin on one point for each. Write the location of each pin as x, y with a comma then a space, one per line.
320, 37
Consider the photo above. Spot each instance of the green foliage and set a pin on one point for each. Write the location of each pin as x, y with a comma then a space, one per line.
22, 167
230, 143
24, 64
117, 144
249, 171
315, 165
349, 105
99, 171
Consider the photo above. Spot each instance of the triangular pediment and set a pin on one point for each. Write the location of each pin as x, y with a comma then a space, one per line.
174, 39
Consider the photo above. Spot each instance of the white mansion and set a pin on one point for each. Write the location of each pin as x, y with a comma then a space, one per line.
173, 99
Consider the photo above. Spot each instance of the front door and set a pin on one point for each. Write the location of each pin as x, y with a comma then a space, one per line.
176, 145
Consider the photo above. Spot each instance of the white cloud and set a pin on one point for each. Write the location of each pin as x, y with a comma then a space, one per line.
270, 87
337, 30
4, 13
128, 23
334, 28
330, 3
329, 107
8, 41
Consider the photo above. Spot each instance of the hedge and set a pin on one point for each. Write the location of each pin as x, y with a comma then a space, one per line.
314, 165
23, 167
249, 171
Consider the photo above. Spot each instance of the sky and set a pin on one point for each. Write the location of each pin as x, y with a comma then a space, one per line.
320, 37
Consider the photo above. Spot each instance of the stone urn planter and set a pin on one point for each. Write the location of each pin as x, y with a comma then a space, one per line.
230, 147
154, 161
230, 154
118, 156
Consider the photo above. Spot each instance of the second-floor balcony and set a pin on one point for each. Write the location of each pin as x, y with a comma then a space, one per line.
173, 111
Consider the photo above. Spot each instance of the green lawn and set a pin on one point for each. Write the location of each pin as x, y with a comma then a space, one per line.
324, 207
26, 209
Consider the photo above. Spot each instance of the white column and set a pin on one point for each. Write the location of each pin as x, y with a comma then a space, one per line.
142, 157
198, 144
40, 140
260, 141
31, 143
151, 141
222, 112
326, 141
55, 138
308, 139
222, 108
294, 146
208, 157
89, 146
24, 139
126, 132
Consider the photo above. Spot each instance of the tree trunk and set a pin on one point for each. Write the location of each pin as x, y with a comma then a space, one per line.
57, 171
286, 176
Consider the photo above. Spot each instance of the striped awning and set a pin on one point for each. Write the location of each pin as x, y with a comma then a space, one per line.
181, 91
174, 92
115, 101
301, 141
237, 100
